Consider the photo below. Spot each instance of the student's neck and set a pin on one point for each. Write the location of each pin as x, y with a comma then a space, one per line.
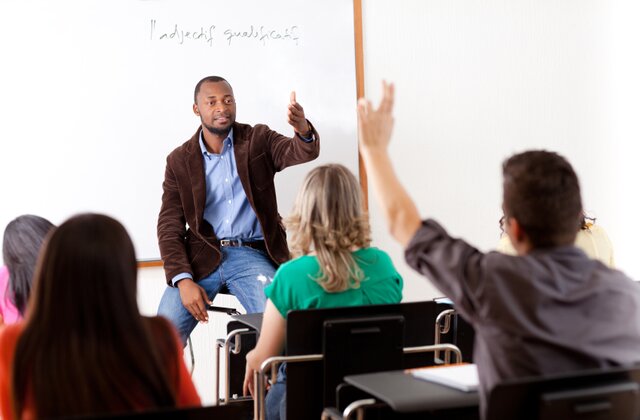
213, 142
523, 248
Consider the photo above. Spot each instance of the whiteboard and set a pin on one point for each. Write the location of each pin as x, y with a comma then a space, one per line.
95, 94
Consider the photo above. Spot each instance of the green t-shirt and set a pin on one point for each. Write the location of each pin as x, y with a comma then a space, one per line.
294, 287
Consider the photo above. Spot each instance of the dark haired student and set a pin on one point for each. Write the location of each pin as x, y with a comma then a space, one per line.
219, 223
23, 238
84, 348
551, 308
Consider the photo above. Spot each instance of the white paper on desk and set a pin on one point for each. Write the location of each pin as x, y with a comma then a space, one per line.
462, 377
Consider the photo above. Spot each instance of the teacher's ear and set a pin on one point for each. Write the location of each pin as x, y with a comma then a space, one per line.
195, 110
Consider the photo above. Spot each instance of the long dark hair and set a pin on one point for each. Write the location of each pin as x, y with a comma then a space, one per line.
85, 347
21, 245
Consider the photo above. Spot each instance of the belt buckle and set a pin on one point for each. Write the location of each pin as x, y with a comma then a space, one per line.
225, 242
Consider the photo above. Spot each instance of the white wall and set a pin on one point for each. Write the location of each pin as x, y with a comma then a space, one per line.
479, 80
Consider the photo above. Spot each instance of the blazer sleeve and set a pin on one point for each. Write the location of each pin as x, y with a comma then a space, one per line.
286, 151
172, 227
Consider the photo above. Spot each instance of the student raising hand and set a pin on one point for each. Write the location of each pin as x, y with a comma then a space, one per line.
375, 134
376, 124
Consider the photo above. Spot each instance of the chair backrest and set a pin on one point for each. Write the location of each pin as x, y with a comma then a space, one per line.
463, 337
612, 393
304, 327
360, 345
375, 336
237, 362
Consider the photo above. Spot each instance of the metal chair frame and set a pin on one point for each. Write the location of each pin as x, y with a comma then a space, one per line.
269, 369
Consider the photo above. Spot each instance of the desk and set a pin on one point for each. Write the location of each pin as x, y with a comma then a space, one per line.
253, 321
406, 394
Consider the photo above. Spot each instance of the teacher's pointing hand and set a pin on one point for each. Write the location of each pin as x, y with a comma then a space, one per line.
295, 117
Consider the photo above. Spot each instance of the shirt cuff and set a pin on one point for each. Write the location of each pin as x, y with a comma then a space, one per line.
179, 277
305, 139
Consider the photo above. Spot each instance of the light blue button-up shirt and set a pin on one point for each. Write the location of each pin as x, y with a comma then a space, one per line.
227, 208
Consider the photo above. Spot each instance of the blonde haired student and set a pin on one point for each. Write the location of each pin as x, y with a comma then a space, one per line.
334, 266
591, 238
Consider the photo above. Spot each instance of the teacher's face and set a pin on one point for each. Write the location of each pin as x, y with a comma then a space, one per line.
216, 107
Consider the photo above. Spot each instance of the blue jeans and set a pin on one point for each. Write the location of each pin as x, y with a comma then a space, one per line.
245, 271
275, 403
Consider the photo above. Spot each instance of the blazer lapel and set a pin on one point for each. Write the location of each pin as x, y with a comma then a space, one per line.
241, 152
195, 169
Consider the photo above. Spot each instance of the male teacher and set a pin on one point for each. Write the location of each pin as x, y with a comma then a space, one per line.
220, 184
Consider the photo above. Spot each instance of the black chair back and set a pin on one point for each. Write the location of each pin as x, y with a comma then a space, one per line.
373, 347
360, 345
591, 394
463, 337
238, 362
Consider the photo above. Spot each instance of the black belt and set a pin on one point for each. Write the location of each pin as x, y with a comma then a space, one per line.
237, 242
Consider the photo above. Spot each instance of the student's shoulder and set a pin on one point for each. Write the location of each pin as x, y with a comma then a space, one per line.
375, 252
158, 325
161, 331
298, 266
9, 337
11, 331
302, 261
4, 276
373, 257
431, 237
610, 276
595, 232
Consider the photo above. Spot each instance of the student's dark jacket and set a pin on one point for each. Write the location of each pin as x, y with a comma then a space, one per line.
259, 153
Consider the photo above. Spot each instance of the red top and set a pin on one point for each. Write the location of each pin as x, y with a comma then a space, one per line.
187, 395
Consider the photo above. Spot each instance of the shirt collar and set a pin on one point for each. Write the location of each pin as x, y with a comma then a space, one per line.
203, 148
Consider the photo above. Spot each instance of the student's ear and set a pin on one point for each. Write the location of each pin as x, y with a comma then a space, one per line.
513, 226
195, 110
519, 238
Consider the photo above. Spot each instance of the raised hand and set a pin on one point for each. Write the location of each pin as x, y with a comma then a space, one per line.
295, 117
376, 124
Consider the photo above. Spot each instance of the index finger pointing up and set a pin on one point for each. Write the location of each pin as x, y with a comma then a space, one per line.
386, 104
293, 97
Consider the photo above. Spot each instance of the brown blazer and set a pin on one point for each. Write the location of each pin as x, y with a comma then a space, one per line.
260, 153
